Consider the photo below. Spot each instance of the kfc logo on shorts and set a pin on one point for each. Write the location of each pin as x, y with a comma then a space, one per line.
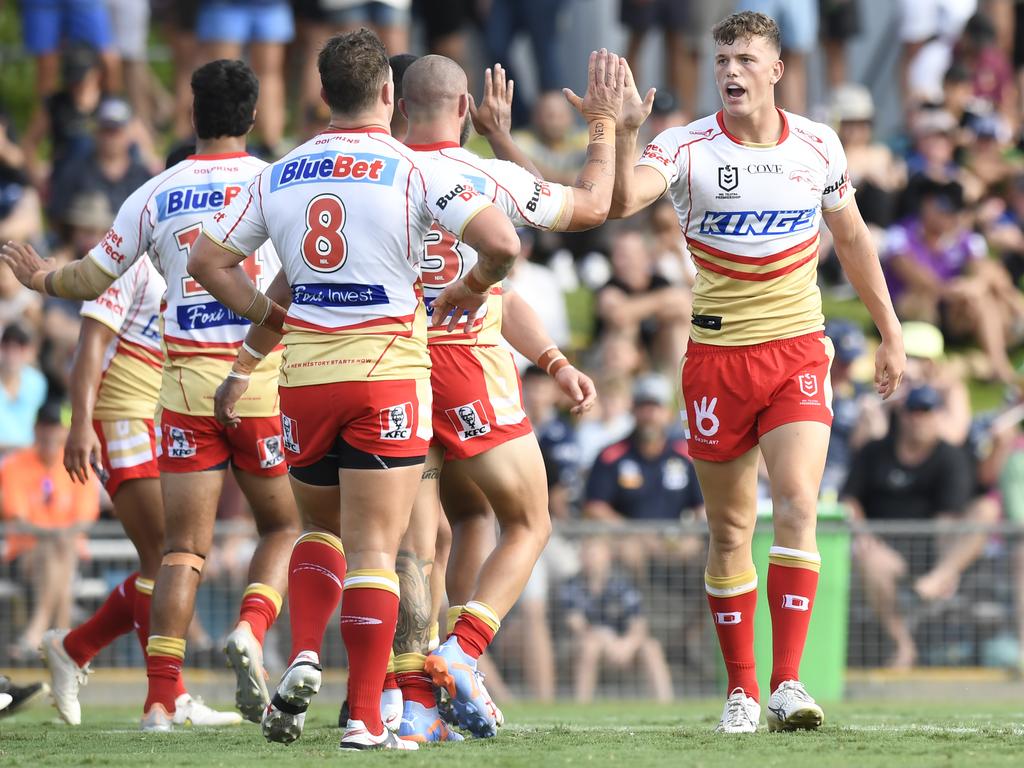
396, 422
181, 443
808, 384
291, 434
704, 413
269, 450
469, 420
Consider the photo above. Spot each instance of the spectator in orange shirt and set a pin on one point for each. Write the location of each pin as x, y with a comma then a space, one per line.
47, 512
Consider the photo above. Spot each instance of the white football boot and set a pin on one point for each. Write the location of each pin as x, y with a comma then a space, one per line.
791, 708
285, 715
245, 657
358, 737
391, 708
66, 677
741, 714
190, 710
157, 720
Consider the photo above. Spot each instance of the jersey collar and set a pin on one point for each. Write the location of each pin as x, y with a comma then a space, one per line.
720, 117
218, 156
434, 147
361, 129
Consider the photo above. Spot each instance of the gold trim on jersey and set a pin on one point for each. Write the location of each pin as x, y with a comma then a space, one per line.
130, 385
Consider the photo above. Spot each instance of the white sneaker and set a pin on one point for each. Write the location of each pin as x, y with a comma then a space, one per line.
157, 720
5, 701
357, 737
791, 708
499, 717
190, 710
741, 714
245, 656
66, 677
285, 715
391, 707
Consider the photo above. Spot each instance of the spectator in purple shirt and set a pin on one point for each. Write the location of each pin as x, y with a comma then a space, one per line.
938, 271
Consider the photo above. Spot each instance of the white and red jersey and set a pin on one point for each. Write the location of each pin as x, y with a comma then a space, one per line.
348, 211
527, 200
164, 217
132, 363
751, 214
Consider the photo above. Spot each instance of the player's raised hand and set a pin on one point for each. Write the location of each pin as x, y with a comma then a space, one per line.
494, 115
24, 261
605, 85
81, 450
890, 363
634, 109
578, 387
454, 303
226, 398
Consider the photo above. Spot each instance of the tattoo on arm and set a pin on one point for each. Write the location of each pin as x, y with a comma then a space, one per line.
412, 634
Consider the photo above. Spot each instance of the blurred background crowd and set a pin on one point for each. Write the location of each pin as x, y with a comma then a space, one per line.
927, 98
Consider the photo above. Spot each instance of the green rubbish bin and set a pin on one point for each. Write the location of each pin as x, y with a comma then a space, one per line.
823, 669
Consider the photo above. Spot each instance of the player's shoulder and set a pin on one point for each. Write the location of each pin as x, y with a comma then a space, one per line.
702, 129
820, 134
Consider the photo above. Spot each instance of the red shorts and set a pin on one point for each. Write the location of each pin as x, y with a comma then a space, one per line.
733, 395
129, 449
478, 399
379, 418
199, 443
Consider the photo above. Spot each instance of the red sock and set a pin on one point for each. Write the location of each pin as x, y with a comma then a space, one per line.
163, 668
369, 613
391, 681
111, 620
260, 606
733, 615
143, 601
792, 583
416, 684
475, 628
315, 575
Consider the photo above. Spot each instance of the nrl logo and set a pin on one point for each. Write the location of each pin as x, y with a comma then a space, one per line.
808, 384
728, 177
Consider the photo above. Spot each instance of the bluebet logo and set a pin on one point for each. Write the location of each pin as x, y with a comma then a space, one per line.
334, 166
339, 294
201, 197
756, 223
209, 314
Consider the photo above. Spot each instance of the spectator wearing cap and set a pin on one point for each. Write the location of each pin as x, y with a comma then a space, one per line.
938, 271
23, 390
927, 364
856, 417
875, 171
911, 474
647, 476
932, 160
48, 511
113, 167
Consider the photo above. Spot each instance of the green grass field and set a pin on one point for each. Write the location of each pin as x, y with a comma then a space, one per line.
633, 734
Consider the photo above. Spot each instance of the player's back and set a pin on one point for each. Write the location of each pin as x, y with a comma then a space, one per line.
165, 217
133, 361
751, 214
525, 199
348, 211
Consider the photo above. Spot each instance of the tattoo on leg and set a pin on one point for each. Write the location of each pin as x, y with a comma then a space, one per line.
412, 634
432, 474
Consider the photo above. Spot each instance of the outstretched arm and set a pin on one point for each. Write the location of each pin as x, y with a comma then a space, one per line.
636, 187
856, 251
82, 279
493, 119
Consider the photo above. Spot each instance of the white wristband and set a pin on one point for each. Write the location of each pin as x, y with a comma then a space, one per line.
237, 375
252, 351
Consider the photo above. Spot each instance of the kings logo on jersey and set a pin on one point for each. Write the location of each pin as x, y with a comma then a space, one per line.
396, 422
469, 420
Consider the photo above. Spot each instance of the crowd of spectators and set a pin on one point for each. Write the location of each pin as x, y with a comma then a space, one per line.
944, 199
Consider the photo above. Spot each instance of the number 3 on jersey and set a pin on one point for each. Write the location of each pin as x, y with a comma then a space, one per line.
324, 246
442, 261
186, 238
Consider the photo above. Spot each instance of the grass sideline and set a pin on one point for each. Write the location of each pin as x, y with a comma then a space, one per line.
637, 734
